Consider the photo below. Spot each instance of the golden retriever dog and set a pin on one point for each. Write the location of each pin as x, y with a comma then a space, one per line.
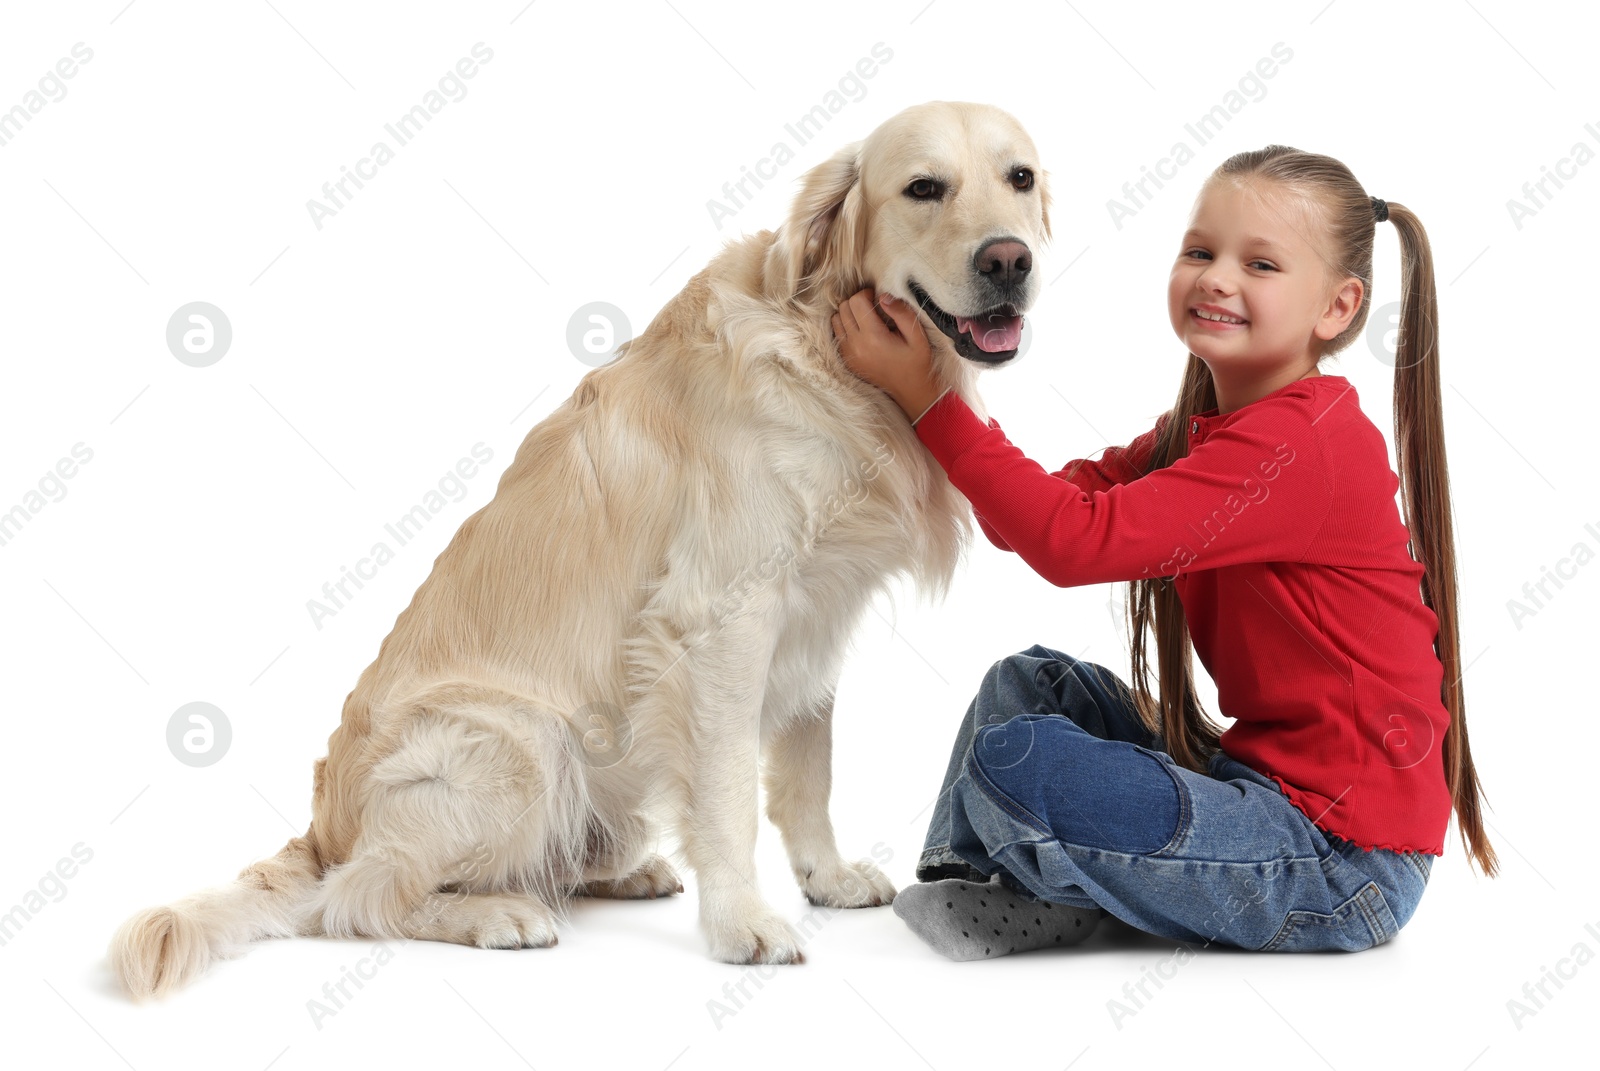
647, 622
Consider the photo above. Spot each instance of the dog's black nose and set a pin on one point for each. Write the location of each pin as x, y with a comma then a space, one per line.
1005, 262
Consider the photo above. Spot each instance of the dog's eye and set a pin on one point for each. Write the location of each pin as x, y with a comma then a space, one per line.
923, 189
1022, 178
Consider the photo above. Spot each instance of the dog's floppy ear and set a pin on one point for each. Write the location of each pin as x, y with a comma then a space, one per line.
818, 251
1044, 200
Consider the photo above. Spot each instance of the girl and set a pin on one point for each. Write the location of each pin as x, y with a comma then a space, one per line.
1257, 521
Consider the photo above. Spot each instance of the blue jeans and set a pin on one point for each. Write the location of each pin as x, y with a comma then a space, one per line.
1056, 785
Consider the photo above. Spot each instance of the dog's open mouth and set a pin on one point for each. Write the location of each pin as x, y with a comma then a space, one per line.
991, 337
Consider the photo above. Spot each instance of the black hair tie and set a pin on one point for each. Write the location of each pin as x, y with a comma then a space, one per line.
1380, 209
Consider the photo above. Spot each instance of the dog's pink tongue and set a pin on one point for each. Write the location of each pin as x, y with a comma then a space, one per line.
993, 334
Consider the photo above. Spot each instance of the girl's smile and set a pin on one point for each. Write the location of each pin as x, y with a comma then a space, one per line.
1215, 318
1251, 295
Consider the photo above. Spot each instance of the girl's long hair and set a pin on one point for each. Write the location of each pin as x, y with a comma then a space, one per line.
1335, 200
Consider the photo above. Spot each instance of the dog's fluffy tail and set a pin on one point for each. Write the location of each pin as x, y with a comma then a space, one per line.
165, 948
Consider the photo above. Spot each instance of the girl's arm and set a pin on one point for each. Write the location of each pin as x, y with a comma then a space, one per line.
1257, 489
899, 360
1116, 464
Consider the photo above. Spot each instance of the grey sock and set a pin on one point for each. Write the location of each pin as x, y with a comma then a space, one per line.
965, 920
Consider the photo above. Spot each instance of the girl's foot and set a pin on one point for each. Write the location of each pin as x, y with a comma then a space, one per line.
965, 920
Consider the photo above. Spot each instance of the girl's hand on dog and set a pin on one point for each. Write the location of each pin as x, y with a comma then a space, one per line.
895, 357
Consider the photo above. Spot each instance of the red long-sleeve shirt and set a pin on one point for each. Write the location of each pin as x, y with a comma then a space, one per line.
1281, 533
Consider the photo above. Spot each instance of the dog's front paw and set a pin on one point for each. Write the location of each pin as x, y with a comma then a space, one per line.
858, 884
761, 937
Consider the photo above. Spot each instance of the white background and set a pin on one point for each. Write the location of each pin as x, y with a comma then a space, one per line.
430, 314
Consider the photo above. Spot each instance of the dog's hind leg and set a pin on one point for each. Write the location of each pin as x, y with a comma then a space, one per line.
487, 920
652, 878
472, 825
621, 866
798, 778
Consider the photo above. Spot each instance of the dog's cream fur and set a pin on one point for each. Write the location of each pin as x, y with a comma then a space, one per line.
657, 599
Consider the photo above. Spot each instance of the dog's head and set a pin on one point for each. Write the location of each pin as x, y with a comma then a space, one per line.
945, 206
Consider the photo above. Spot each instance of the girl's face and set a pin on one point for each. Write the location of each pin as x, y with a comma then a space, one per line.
1252, 257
